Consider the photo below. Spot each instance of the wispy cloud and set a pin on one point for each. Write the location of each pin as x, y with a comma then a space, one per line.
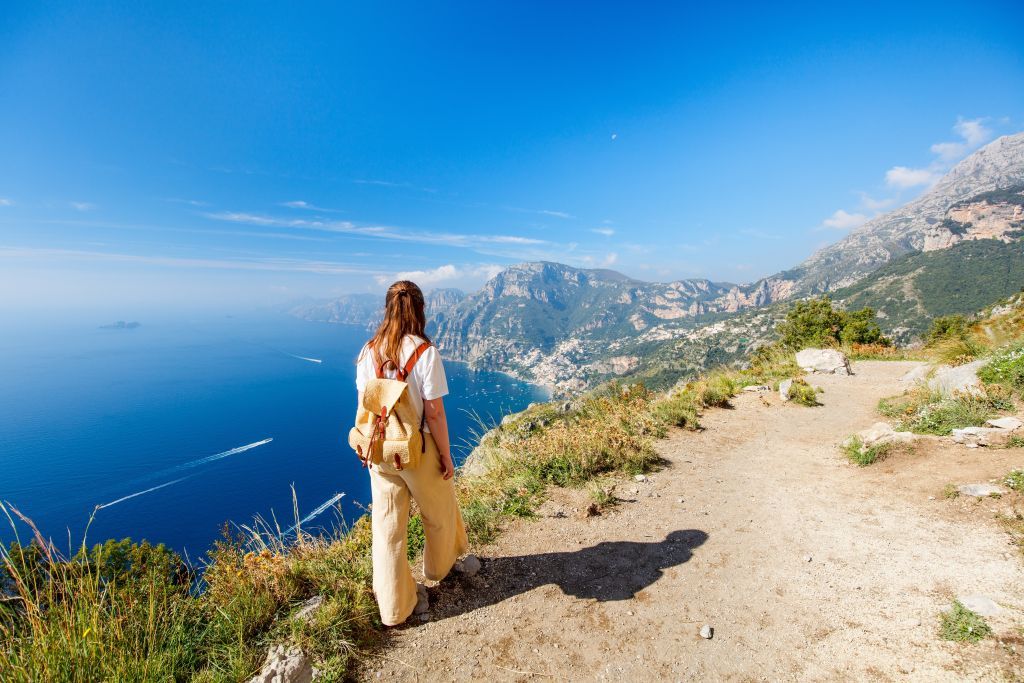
4, 201
82, 206
542, 212
253, 264
389, 183
607, 232
469, 241
443, 274
842, 220
306, 206
189, 202
902, 177
973, 133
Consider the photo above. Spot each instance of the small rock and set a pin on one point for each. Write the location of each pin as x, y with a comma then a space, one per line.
1008, 423
629, 612
976, 436
422, 600
784, 386
980, 490
807, 558
681, 501
881, 432
982, 604
639, 477
285, 665
757, 387
706, 632
309, 608
468, 566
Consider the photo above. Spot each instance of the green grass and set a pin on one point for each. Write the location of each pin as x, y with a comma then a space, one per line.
950, 492
602, 494
1015, 480
859, 454
962, 625
1006, 369
1015, 441
926, 412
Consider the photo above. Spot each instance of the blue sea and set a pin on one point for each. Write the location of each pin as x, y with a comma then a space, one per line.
177, 427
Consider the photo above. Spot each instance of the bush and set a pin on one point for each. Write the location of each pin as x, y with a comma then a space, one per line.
1006, 369
803, 393
859, 454
816, 323
963, 625
946, 327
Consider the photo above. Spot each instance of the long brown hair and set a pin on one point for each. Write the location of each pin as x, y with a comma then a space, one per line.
403, 314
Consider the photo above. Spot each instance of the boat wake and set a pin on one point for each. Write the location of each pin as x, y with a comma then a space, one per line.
223, 454
323, 507
184, 466
138, 493
311, 360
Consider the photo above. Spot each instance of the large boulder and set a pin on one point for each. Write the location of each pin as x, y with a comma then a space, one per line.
823, 362
285, 665
961, 379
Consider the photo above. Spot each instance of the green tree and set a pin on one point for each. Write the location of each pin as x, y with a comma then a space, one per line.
816, 323
947, 327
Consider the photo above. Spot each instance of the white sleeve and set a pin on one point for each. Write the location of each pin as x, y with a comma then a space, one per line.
429, 373
364, 369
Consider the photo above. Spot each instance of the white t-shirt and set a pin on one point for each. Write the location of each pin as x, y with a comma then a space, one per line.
427, 380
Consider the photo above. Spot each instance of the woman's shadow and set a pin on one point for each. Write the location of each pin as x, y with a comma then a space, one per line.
611, 570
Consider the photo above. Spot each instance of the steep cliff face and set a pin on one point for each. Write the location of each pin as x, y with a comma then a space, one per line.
565, 326
917, 226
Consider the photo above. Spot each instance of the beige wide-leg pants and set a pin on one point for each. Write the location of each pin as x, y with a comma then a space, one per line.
393, 583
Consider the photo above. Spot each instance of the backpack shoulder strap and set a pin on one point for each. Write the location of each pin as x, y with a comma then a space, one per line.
403, 373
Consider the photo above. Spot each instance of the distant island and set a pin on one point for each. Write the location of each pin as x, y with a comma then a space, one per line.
121, 325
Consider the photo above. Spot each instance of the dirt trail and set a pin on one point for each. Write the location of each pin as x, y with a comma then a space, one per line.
806, 567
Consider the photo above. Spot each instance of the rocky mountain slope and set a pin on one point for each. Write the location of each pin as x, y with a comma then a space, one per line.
922, 225
954, 249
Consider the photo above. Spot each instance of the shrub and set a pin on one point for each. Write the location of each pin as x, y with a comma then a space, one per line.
950, 492
862, 455
963, 625
946, 327
803, 393
816, 323
1015, 441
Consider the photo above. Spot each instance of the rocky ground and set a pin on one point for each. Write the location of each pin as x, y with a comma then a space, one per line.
803, 566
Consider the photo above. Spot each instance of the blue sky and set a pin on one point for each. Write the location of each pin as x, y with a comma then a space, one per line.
251, 152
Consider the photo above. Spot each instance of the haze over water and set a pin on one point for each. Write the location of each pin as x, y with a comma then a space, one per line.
178, 426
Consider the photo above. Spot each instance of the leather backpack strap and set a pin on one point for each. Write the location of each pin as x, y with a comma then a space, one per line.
403, 373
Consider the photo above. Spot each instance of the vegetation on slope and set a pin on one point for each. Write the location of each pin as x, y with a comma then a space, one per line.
911, 291
124, 611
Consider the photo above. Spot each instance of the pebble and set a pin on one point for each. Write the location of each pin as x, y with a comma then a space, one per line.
807, 558
706, 632
639, 477
468, 566
681, 500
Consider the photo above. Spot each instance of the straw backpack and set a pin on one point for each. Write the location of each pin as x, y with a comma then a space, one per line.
387, 426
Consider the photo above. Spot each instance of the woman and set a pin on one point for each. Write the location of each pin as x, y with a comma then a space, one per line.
430, 484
